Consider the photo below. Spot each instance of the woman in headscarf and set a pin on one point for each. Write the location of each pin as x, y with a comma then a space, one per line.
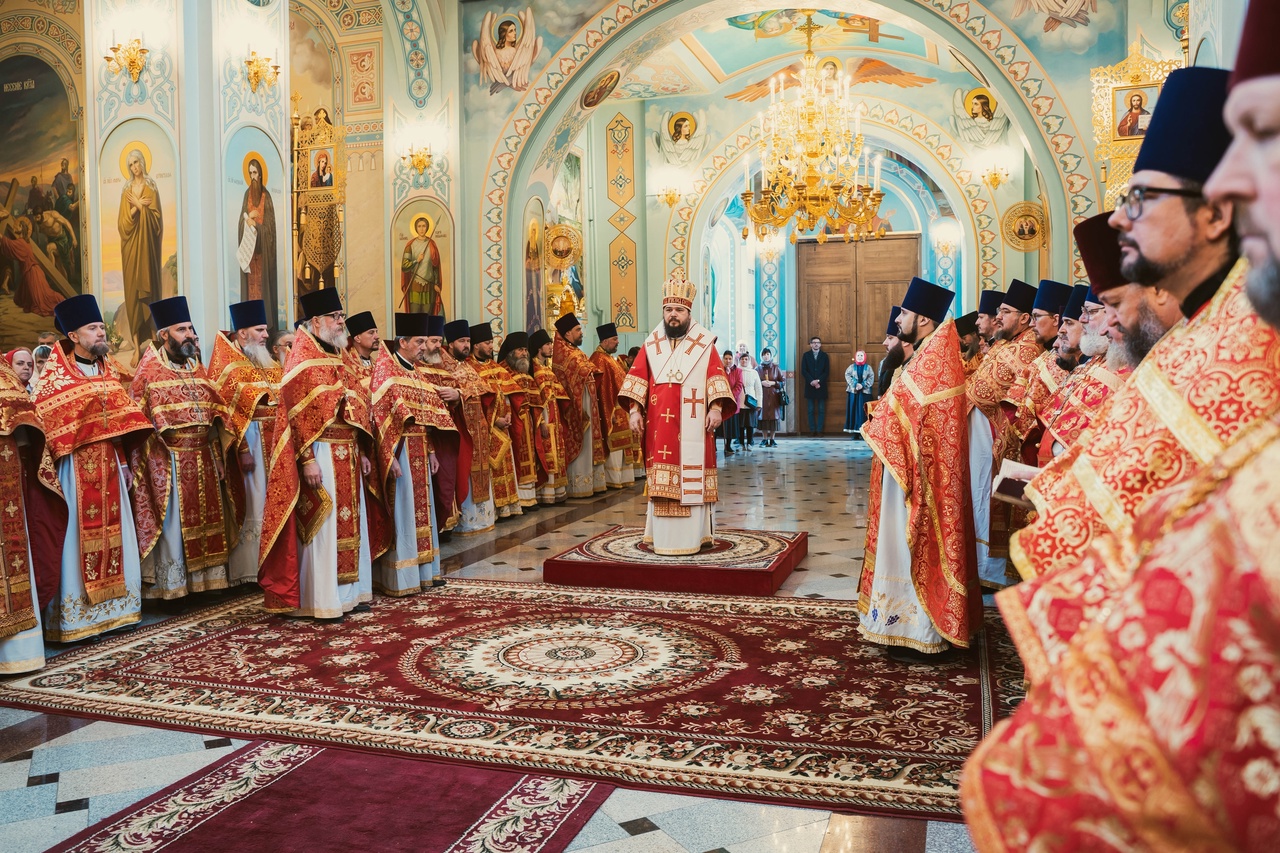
859, 381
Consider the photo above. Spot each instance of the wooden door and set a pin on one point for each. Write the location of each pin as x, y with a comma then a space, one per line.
844, 294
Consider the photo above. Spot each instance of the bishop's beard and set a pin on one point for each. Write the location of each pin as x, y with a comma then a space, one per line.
519, 365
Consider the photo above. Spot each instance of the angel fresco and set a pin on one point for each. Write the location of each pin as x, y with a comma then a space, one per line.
868, 70
975, 120
506, 49
682, 138
1073, 13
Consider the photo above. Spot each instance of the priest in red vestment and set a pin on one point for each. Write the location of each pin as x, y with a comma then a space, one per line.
1203, 384
502, 464
1157, 728
317, 549
407, 415
91, 427
185, 465
583, 438
1080, 399
526, 414
919, 593
470, 400
33, 526
553, 482
1009, 359
363, 342
678, 394
1030, 392
248, 380
614, 426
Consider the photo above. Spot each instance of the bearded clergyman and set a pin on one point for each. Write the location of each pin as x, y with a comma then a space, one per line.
679, 394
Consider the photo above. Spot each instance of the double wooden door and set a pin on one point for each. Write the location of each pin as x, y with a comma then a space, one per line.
844, 294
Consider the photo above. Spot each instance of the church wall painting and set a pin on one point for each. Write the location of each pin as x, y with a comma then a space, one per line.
40, 199
254, 197
138, 226
422, 249
536, 315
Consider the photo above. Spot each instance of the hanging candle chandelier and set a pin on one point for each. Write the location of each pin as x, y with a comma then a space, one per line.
815, 169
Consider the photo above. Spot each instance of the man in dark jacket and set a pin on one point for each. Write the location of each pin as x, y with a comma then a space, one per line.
815, 368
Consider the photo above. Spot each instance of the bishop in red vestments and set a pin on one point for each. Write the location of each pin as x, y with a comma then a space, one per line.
678, 394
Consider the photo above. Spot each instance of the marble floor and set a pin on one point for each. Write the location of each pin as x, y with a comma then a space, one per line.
60, 774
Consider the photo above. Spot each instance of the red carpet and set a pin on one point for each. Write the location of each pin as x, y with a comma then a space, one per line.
287, 797
765, 699
741, 562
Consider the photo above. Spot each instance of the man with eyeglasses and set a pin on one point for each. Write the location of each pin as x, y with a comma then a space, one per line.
1203, 385
990, 435
1158, 724
316, 555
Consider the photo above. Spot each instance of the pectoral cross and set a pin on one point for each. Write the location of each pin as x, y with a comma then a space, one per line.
664, 453
694, 343
693, 402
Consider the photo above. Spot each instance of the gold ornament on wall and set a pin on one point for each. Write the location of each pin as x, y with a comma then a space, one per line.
1023, 226
130, 56
1124, 97
564, 246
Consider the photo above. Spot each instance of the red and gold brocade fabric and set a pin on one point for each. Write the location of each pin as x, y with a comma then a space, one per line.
407, 408
33, 511
1203, 384
361, 369
971, 365
577, 374
1157, 730
526, 417
680, 470
920, 438
249, 391
189, 416
404, 401
612, 415
471, 417
320, 400
1028, 399
551, 451
1198, 387
501, 464
85, 417
1077, 402
1002, 367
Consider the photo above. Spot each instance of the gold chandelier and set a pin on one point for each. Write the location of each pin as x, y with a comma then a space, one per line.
815, 169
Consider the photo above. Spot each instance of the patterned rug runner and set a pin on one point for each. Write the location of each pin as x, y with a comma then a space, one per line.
288, 796
767, 699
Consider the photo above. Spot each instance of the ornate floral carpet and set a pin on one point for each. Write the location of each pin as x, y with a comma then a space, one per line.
768, 699
739, 562
288, 796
